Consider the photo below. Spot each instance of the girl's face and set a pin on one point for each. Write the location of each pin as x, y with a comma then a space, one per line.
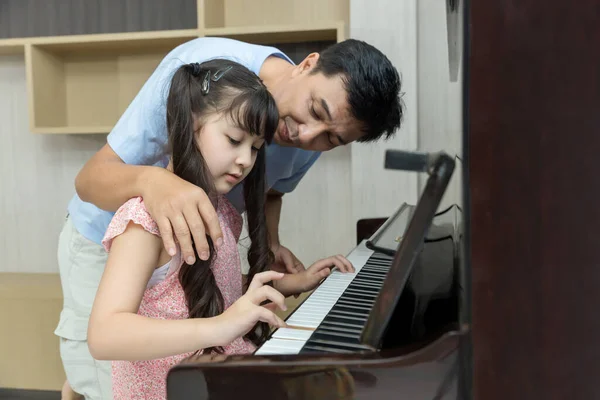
228, 151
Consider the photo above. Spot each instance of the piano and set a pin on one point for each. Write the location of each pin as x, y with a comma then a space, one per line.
392, 324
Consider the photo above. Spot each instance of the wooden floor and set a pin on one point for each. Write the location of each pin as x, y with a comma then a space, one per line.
18, 394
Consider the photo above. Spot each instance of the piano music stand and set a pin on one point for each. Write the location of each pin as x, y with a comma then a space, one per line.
439, 167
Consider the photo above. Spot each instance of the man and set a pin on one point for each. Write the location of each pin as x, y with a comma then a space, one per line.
349, 92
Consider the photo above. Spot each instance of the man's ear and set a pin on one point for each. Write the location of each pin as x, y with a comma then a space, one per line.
306, 65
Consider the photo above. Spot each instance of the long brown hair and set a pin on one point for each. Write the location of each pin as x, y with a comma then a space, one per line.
228, 88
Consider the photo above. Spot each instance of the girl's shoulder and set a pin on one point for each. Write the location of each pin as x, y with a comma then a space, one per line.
134, 210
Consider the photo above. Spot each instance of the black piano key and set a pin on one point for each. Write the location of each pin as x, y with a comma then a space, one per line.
342, 323
341, 310
380, 257
368, 303
352, 309
377, 272
334, 337
365, 286
360, 298
383, 266
344, 329
333, 345
365, 281
368, 274
322, 349
325, 339
384, 263
373, 268
373, 279
370, 278
361, 293
347, 316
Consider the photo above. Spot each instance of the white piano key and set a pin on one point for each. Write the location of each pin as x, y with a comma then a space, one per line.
292, 334
265, 351
280, 346
305, 323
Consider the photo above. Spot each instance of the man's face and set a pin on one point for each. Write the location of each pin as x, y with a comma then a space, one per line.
314, 111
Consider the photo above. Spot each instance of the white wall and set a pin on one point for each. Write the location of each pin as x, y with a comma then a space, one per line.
36, 178
389, 25
440, 99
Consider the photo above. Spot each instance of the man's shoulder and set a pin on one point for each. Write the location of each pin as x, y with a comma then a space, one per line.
291, 154
206, 48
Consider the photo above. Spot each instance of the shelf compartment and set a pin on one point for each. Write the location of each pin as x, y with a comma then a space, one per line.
244, 13
84, 84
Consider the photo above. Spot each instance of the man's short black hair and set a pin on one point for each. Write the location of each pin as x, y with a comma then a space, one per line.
372, 83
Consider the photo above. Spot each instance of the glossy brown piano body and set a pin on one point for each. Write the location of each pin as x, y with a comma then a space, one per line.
418, 356
533, 127
428, 373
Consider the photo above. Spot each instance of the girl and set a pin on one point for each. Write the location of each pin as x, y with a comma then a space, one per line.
152, 310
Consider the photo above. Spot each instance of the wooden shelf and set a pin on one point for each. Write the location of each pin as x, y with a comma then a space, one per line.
56, 130
101, 42
12, 46
324, 31
116, 42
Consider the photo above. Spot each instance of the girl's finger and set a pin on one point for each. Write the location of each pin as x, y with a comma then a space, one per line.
263, 277
268, 293
272, 319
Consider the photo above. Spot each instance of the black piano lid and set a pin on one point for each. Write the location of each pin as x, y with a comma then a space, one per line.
440, 167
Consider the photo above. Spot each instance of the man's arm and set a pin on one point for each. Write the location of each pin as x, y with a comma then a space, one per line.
285, 260
107, 182
273, 213
179, 208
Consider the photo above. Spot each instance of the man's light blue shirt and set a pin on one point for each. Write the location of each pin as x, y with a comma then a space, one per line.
140, 135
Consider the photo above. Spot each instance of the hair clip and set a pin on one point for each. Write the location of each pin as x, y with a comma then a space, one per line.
207, 78
206, 83
219, 74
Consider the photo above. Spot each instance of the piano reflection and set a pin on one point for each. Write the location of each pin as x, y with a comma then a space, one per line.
390, 330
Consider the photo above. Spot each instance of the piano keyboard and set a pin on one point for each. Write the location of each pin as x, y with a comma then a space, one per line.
333, 316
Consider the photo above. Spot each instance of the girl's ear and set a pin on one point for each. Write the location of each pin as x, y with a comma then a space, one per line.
197, 125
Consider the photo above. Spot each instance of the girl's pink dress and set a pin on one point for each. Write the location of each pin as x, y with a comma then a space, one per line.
166, 300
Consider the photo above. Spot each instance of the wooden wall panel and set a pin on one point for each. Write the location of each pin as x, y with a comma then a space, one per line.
534, 96
282, 12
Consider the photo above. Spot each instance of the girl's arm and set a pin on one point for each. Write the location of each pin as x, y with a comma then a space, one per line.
116, 331
292, 284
